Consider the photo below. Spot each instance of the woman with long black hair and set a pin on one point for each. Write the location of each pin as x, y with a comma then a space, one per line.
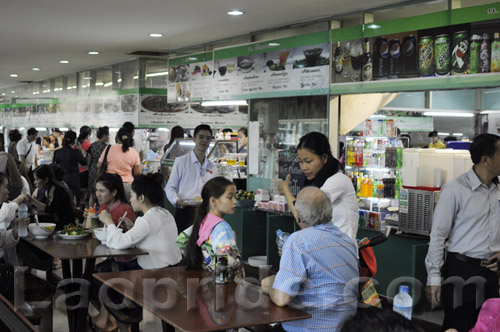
324, 171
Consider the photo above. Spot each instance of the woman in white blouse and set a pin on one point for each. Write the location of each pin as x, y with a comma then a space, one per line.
154, 232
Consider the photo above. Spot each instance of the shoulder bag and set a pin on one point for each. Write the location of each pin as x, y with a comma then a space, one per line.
104, 166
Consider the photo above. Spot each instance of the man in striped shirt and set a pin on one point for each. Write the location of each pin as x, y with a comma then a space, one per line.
318, 268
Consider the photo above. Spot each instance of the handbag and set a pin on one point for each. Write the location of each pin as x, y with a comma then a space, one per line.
104, 166
7, 280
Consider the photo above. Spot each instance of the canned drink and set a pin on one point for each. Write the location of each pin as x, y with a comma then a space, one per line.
394, 58
495, 53
409, 54
442, 54
460, 53
426, 56
380, 58
484, 54
475, 48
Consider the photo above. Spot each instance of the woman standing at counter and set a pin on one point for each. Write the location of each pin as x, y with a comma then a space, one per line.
322, 170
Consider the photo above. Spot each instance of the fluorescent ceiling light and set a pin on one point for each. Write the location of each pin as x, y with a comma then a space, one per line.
224, 103
444, 134
274, 44
108, 84
492, 91
114, 129
136, 77
93, 52
455, 114
458, 134
373, 26
192, 58
156, 35
490, 112
35, 69
63, 129
13, 75
22, 128
375, 116
87, 78
64, 61
3, 93
99, 84
157, 74
40, 128
235, 13
12, 92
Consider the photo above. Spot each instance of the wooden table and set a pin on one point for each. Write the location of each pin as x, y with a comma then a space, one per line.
72, 253
191, 301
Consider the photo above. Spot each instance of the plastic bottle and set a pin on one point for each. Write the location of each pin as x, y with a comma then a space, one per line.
403, 302
359, 184
281, 238
22, 213
221, 265
400, 154
398, 184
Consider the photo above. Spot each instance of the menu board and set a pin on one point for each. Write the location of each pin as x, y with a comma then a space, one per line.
114, 110
155, 111
190, 78
21, 113
289, 164
290, 65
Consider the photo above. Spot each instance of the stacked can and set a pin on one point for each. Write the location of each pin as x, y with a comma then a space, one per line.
475, 48
442, 54
460, 53
426, 56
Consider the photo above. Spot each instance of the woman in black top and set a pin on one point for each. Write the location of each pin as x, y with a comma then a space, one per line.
69, 158
57, 199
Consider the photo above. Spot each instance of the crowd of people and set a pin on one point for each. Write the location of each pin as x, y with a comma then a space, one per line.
318, 263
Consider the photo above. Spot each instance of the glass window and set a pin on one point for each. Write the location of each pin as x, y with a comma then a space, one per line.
156, 73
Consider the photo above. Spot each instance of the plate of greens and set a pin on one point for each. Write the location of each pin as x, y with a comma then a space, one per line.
73, 232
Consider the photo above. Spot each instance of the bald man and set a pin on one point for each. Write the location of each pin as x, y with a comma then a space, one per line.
318, 268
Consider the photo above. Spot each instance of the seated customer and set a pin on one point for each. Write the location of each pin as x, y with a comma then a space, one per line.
210, 231
154, 232
317, 268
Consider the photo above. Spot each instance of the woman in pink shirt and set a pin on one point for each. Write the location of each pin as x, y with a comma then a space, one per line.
122, 160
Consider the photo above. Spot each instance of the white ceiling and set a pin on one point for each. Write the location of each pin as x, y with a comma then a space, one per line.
36, 33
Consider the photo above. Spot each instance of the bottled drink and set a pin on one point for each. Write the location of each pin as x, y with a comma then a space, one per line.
367, 69
495, 53
409, 56
281, 238
359, 154
346, 61
400, 154
484, 54
356, 60
221, 265
374, 187
380, 58
403, 303
368, 127
398, 184
394, 58
359, 184
366, 154
22, 213
337, 58
475, 49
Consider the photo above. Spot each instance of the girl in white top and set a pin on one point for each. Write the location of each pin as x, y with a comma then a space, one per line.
322, 170
154, 232
8, 238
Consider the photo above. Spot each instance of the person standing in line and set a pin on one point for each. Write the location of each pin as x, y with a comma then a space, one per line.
69, 157
466, 226
58, 138
189, 173
14, 138
122, 160
84, 142
27, 150
93, 153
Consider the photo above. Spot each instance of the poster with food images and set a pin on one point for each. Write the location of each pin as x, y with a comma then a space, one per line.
113, 109
190, 78
290, 65
156, 111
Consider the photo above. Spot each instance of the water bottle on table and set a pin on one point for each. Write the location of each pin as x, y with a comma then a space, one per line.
22, 213
281, 238
403, 302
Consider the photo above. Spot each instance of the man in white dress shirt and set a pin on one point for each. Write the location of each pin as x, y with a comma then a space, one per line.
189, 173
466, 225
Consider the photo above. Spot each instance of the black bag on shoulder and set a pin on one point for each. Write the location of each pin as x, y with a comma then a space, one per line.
104, 166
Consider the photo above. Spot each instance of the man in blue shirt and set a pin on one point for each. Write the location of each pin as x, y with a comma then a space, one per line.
189, 173
318, 268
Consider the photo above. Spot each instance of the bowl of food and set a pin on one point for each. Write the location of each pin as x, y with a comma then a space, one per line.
245, 64
42, 230
101, 234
